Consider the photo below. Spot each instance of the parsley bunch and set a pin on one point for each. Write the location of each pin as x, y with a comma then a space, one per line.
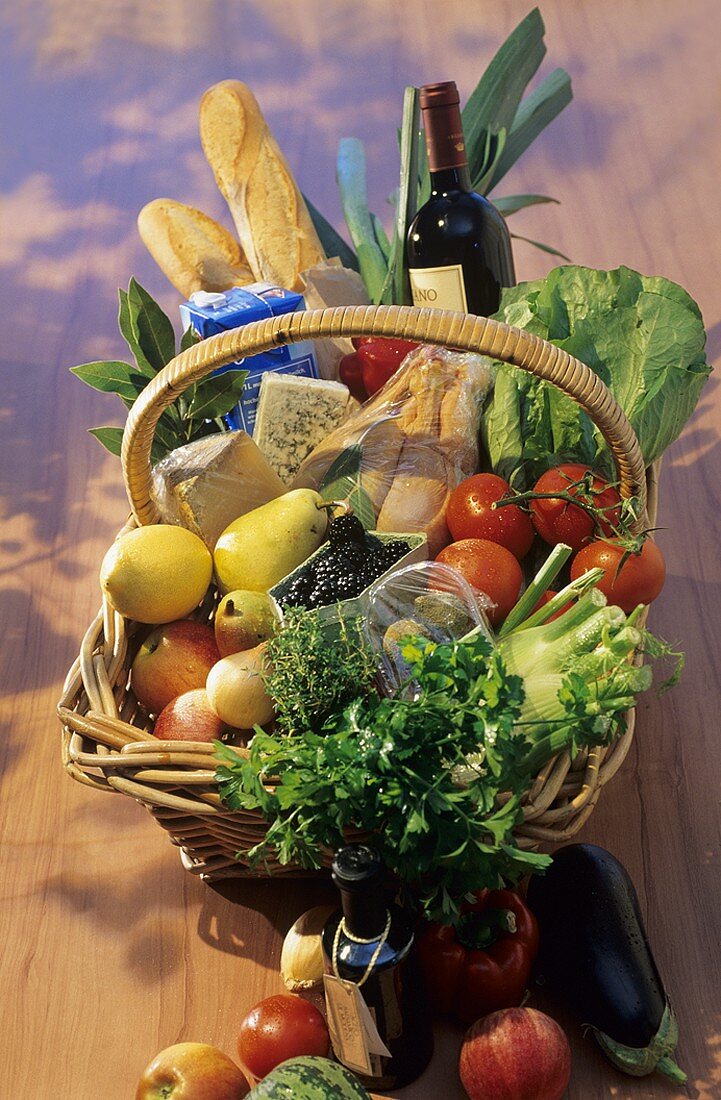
386, 766
435, 773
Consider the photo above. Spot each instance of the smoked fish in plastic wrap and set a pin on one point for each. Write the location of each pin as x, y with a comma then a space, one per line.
418, 439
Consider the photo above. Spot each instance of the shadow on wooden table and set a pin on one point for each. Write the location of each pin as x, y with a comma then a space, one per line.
12, 750
142, 911
279, 900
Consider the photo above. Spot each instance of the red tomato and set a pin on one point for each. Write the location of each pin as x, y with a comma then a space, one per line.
470, 514
380, 358
638, 580
545, 598
558, 521
279, 1028
490, 568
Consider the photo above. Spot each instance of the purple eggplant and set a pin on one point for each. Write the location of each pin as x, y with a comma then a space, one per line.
596, 956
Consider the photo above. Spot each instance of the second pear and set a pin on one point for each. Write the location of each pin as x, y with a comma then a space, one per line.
260, 548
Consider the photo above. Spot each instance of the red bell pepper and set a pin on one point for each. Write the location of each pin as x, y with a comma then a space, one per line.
380, 358
350, 373
484, 964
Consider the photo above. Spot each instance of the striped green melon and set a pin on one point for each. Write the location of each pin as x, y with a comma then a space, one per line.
309, 1078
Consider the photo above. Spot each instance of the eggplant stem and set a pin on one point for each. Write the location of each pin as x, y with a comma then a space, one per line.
655, 1057
668, 1067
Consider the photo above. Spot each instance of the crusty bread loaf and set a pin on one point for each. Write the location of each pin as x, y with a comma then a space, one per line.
273, 223
191, 249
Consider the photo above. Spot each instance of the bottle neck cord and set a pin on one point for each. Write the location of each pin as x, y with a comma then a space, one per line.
342, 930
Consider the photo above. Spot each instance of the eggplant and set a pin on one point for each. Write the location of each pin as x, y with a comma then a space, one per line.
595, 954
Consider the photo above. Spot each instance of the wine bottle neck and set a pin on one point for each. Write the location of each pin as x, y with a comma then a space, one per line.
450, 179
445, 143
365, 912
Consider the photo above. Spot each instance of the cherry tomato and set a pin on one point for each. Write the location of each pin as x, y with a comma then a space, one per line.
279, 1028
470, 514
380, 358
545, 598
638, 580
490, 568
350, 372
558, 521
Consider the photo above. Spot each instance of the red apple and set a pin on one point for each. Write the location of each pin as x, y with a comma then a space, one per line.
174, 658
189, 717
515, 1054
192, 1071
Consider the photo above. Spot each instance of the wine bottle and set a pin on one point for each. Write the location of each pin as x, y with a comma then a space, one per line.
458, 246
377, 1014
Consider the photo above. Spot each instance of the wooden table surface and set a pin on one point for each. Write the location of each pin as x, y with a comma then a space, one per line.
110, 951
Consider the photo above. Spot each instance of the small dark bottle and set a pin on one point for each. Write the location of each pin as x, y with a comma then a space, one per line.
458, 246
368, 942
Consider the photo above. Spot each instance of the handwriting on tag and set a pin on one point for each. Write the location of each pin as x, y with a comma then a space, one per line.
353, 1030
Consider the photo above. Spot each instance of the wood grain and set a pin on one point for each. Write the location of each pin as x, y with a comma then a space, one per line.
110, 950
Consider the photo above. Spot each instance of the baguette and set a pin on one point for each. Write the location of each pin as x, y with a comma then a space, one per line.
273, 223
191, 249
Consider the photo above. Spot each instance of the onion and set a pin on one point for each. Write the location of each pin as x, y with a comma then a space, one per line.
301, 960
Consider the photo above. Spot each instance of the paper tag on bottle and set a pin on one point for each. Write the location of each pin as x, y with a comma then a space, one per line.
353, 1031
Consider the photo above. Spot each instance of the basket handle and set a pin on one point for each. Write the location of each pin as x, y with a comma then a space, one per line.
459, 331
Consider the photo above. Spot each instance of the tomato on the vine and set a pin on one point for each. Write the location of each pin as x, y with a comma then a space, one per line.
278, 1028
558, 520
638, 580
491, 569
470, 514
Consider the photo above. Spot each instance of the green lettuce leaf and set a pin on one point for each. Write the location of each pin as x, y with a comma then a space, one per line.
643, 336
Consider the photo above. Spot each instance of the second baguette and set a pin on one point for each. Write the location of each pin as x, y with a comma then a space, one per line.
273, 223
191, 249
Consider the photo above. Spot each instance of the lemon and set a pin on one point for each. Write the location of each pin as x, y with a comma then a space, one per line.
156, 574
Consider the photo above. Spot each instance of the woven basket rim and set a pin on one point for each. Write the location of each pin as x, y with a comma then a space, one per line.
107, 743
459, 331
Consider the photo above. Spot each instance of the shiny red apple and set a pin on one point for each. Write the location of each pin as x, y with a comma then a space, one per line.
515, 1054
174, 658
192, 1071
189, 717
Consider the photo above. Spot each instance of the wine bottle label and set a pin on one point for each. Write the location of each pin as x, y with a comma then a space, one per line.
353, 1031
440, 287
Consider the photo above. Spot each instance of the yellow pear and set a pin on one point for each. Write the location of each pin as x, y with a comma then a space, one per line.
263, 546
243, 620
236, 689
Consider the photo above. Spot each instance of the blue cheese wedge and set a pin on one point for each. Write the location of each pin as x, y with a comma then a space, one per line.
295, 414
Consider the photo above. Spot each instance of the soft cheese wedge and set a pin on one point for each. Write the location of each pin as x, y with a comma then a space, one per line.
207, 484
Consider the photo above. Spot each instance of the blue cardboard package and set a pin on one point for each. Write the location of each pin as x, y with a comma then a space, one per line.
209, 314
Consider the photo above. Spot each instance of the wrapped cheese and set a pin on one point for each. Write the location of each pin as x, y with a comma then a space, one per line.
207, 484
325, 285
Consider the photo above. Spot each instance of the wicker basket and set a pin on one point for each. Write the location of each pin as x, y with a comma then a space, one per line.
107, 739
